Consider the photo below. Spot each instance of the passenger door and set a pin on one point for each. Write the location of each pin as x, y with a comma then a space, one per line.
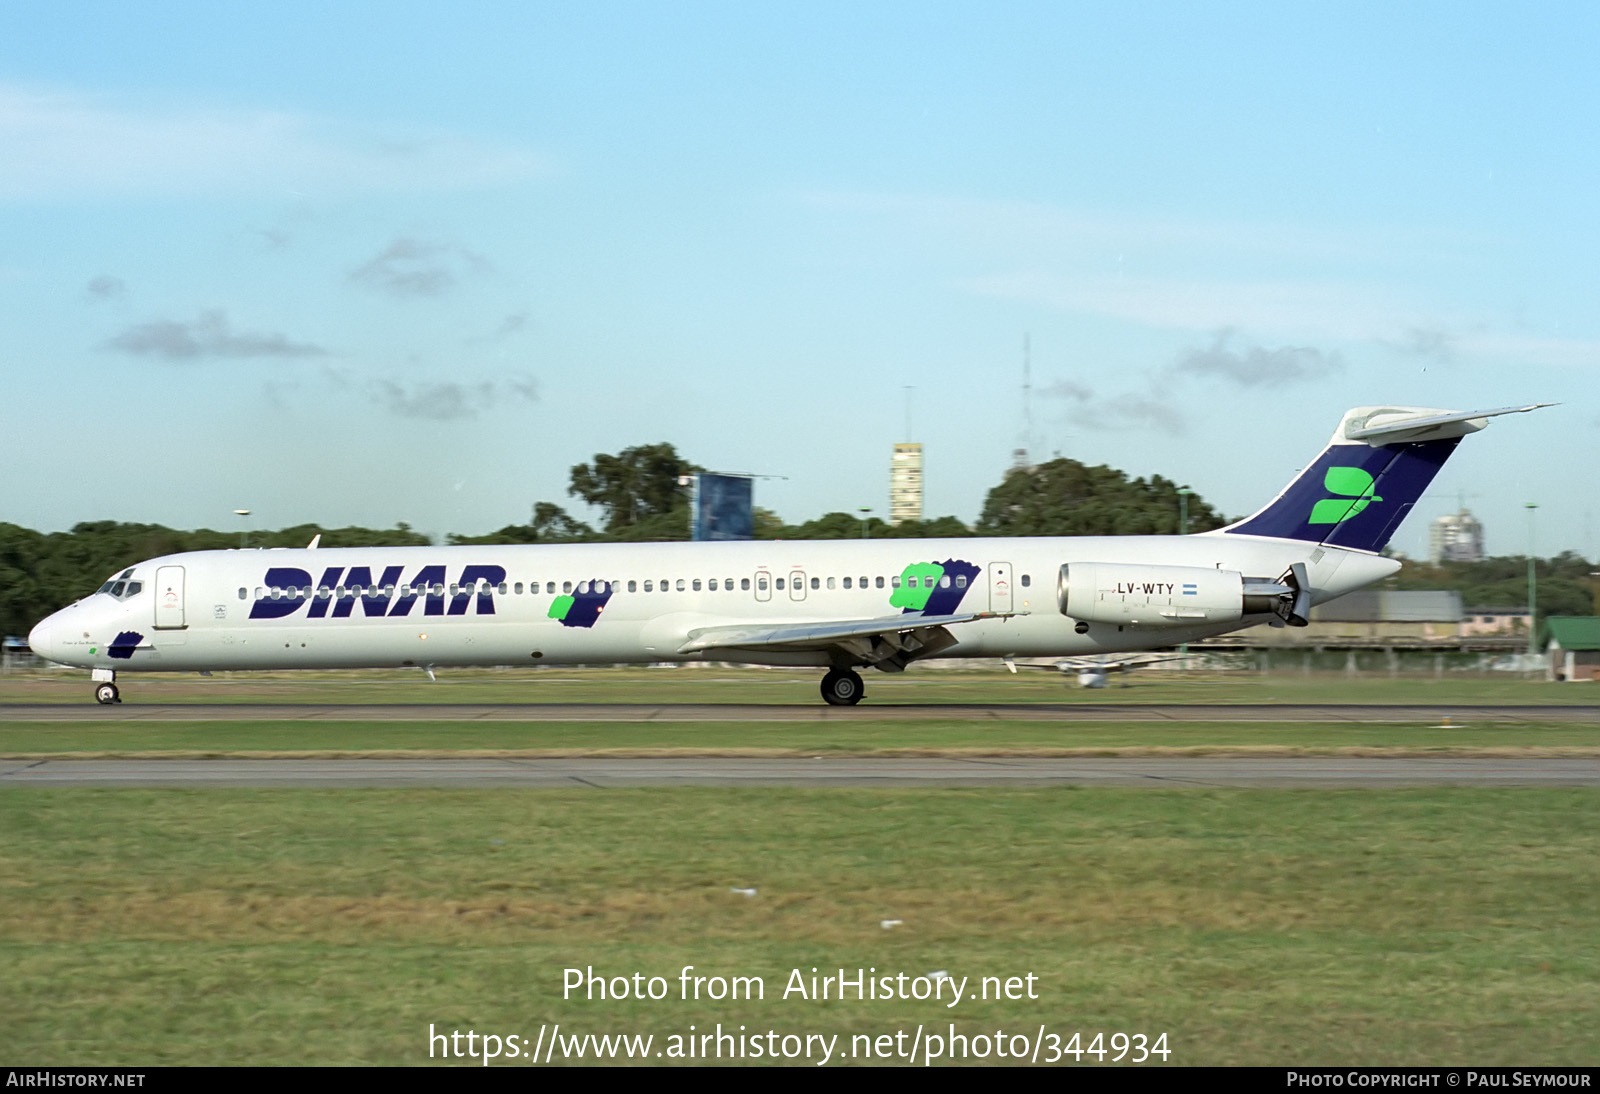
169, 598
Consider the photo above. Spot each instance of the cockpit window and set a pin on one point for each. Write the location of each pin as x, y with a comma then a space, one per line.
120, 587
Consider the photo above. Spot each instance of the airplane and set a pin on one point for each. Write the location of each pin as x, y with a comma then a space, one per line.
838, 605
1094, 672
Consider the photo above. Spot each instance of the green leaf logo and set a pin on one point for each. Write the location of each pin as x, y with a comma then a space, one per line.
1356, 486
915, 597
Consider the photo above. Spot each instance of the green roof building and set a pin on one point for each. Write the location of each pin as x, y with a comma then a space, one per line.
1572, 644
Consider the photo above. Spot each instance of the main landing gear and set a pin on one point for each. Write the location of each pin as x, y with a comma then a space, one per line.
842, 688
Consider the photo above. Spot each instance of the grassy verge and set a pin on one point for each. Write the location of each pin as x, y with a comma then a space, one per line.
1403, 927
34, 740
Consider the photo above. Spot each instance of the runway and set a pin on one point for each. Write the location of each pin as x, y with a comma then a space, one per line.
810, 712
990, 773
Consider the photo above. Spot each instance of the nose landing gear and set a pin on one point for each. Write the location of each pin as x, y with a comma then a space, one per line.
842, 688
105, 686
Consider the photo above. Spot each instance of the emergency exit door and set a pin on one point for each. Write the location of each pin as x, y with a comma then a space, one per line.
999, 586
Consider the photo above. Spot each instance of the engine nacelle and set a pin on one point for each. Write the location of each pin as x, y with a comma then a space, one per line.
1162, 596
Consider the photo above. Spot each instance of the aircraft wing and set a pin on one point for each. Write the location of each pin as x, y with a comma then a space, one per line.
847, 633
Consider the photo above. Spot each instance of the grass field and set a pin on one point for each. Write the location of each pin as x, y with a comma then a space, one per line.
1250, 926
292, 739
1397, 927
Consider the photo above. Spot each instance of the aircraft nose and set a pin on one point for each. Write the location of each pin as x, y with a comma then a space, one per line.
41, 640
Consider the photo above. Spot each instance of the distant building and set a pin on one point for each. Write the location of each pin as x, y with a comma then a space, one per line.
905, 483
1480, 622
1455, 537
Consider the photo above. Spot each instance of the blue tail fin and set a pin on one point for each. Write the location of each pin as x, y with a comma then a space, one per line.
1356, 493
1352, 496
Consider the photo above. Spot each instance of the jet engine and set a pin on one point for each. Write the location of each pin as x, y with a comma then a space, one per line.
1173, 596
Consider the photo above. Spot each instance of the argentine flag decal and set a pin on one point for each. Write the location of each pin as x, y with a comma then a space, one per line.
1191, 590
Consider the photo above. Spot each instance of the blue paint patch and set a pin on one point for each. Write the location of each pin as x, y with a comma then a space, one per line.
282, 577
945, 599
587, 603
123, 645
1400, 473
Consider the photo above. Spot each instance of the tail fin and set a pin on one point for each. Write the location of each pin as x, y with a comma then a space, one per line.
1357, 492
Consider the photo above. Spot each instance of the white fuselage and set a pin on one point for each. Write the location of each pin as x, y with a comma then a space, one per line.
432, 606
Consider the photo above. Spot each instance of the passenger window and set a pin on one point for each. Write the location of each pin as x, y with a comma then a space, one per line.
633, 586
846, 583
894, 581
518, 588
744, 584
549, 586
680, 584
830, 582
961, 581
816, 583
712, 585
649, 586
944, 582
1026, 581
878, 581
566, 588
779, 583
387, 591
727, 583
697, 584
244, 594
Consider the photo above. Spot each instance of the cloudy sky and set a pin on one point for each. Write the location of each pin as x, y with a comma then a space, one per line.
363, 263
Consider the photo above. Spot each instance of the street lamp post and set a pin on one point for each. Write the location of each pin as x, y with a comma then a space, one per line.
864, 511
244, 531
1533, 588
1183, 510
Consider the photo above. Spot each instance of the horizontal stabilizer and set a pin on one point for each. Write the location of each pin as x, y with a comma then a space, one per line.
1398, 425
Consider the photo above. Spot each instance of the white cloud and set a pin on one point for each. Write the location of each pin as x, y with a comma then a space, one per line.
56, 143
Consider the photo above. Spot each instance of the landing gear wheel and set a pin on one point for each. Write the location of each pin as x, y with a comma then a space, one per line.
106, 694
842, 688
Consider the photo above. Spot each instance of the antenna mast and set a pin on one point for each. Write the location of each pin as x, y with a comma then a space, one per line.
1019, 458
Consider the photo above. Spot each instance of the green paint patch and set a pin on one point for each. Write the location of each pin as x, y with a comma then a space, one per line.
560, 606
1355, 484
916, 585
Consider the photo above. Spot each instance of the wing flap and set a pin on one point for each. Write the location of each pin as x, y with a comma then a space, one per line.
821, 635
